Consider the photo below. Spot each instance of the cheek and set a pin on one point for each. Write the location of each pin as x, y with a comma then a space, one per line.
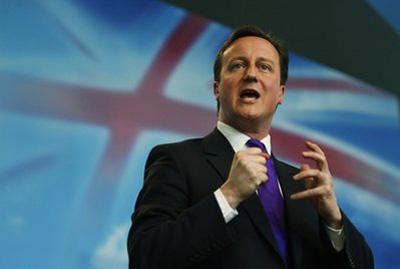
227, 81
270, 81
272, 87
227, 88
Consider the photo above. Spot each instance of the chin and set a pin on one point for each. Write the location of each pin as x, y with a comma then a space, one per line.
251, 114
250, 118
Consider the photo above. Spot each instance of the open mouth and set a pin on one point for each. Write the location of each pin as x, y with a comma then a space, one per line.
249, 94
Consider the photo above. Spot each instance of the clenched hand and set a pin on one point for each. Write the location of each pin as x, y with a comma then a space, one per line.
248, 171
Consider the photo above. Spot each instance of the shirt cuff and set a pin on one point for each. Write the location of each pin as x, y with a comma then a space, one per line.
227, 211
336, 236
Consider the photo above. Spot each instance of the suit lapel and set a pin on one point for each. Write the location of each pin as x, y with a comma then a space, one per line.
298, 215
257, 215
220, 154
292, 209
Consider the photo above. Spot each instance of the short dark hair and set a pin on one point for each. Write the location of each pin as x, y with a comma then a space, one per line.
250, 30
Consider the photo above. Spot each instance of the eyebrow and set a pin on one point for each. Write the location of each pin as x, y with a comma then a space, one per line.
245, 59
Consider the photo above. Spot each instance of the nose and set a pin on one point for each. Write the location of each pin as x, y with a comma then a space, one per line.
250, 75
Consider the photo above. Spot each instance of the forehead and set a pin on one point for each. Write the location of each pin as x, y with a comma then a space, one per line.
251, 46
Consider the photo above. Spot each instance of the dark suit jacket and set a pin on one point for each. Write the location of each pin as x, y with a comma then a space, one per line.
177, 222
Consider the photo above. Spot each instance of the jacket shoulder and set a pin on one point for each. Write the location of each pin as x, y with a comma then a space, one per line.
176, 150
178, 147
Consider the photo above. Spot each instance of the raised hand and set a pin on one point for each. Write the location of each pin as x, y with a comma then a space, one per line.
319, 186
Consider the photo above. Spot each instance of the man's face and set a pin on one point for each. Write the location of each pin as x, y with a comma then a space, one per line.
249, 89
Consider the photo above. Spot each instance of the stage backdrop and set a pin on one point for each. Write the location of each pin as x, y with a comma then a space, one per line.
87, 88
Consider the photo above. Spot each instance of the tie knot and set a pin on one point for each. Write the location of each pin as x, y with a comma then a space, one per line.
255, 143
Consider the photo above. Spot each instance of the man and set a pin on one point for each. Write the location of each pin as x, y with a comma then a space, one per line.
223, 201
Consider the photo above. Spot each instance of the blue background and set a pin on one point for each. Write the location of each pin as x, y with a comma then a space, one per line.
87, 88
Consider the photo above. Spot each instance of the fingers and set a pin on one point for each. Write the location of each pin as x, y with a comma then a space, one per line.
313, 177
314, 147
319, 186
309, 181
252, 151
256, 159
317, 155
308, 174
252, 155
318, 182
248, 171
250, 164
320, 191
262, 178
257, 168
304, 167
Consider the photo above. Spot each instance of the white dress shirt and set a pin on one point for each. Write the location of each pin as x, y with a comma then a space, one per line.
238, 142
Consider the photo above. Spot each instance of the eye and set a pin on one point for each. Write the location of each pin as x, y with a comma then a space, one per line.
265, 67
237, 66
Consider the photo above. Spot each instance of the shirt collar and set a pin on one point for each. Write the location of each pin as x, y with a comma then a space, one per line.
237, 139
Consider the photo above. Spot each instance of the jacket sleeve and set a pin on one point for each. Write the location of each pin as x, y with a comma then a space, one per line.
168, 231
355, 254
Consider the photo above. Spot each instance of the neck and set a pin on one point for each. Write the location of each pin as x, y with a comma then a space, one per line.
258, 135
252, 129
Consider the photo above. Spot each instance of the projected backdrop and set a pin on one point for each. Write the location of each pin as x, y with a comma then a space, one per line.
87, 88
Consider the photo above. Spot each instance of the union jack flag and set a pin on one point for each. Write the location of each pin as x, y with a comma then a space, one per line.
87, 90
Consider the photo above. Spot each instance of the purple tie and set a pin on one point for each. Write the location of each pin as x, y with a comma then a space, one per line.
272, 202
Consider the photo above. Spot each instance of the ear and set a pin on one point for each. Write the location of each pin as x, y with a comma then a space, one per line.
281, 94
216, 89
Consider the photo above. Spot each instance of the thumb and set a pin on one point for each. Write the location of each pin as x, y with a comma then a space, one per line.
304, 167
309, 182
